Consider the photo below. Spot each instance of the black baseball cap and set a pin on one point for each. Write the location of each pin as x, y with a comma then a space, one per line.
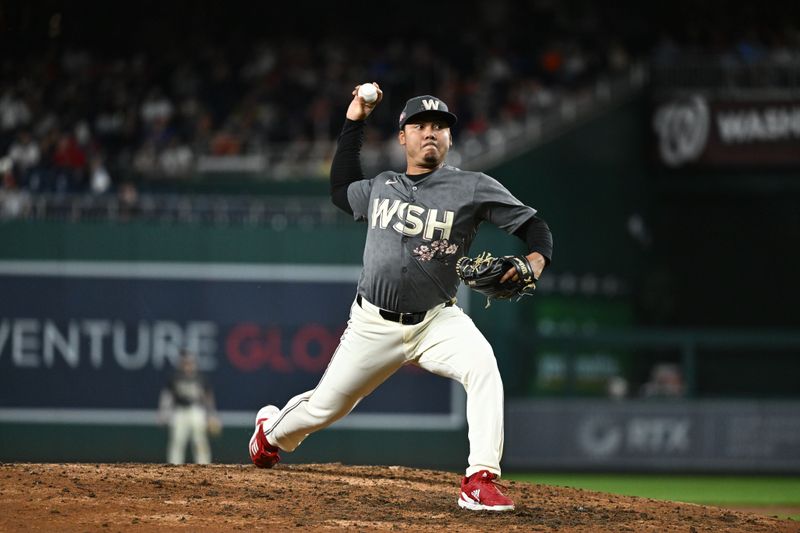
426, 104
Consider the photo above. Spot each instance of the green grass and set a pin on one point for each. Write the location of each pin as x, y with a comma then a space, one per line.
756, 491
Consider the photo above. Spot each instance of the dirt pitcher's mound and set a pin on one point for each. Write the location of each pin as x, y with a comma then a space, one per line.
137, 497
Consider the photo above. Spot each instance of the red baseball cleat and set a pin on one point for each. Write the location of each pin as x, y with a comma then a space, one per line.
479, 492
262, 453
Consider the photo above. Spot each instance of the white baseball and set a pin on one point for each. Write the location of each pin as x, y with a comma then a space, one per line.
368, 92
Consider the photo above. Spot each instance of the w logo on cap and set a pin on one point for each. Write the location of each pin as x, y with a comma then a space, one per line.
426, 103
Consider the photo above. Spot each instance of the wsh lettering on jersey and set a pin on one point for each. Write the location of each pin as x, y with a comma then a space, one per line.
412, 220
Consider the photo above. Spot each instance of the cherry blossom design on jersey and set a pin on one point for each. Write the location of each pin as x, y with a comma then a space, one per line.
440, 250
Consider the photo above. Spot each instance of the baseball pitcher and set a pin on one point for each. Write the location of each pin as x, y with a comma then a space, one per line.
420, 224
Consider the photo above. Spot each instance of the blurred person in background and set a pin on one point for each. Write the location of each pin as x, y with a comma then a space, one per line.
14, 111
69, 160
617, 387
666, 381
14, 202
187, 405
99, 178
176, 160
128, 200
25, 154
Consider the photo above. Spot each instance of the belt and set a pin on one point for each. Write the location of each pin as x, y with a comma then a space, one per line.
407, 319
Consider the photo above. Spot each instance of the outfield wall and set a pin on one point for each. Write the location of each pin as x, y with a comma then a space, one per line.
575, 435
34, 442
660, 435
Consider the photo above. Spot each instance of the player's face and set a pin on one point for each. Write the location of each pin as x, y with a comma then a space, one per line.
427, 142
188, 365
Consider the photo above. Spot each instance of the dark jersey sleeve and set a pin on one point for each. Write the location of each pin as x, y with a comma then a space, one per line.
346, 165
536, 234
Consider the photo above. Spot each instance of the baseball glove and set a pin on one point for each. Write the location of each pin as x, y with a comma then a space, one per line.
483, 273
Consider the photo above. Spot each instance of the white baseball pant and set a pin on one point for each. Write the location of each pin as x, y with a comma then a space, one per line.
188, 422
446, 343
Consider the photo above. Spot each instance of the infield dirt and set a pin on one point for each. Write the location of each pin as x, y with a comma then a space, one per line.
322, 497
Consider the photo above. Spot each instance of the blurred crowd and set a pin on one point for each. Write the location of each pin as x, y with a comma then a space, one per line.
79, 116
741, 45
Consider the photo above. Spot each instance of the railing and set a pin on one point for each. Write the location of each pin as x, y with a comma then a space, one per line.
274, 212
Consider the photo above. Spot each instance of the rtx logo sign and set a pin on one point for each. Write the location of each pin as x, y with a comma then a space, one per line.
606, 436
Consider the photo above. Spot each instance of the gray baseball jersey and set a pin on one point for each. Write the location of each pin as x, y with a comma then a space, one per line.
416, 231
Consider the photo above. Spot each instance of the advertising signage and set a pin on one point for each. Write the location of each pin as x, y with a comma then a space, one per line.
700, 131
96, 341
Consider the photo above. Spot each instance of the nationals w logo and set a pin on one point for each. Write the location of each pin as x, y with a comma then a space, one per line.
431, 105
